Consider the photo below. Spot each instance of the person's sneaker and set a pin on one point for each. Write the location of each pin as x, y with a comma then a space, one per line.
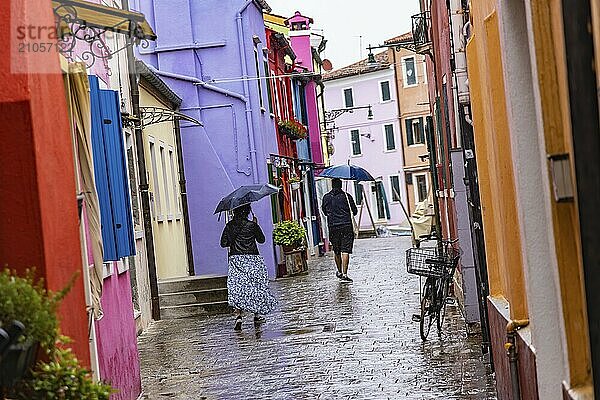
347, 279
238, 324
339, 275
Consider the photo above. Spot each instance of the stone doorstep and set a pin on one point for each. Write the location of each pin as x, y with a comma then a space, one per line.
192, 310
193, 297
192, 283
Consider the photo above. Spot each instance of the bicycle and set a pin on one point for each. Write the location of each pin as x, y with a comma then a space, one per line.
437, 265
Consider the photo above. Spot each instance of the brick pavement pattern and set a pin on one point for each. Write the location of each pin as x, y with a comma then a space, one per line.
326, 340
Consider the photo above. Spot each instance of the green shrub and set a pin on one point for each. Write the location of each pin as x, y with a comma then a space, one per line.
62, 378
27, 301
289, 233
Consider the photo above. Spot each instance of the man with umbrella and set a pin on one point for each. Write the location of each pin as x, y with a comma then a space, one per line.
339, 208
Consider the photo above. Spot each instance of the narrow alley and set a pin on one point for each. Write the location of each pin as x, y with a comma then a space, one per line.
327, 340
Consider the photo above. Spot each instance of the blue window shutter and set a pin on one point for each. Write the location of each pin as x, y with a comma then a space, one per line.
117, 173
109, 240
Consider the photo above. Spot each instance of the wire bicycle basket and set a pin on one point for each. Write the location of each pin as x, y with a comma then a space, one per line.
431, 261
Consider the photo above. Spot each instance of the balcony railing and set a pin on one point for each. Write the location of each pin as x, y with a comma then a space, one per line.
421, 31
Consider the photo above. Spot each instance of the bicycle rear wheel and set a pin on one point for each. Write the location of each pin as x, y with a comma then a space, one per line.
427, 309
441, 315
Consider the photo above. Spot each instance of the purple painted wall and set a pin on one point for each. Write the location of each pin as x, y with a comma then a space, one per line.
116, 338
199, 42
301, 44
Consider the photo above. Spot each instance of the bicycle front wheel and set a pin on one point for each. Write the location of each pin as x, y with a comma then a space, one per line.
427, 309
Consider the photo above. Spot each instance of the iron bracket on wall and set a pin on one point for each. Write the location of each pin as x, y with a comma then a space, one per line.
82, 28
157, 115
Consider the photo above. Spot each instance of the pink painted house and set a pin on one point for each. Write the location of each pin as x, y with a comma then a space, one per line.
374, 143
302, 41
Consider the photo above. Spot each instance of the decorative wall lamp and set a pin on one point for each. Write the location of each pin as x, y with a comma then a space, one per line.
331, 115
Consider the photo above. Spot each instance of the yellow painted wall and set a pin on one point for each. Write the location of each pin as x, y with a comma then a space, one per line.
551, 66
493, 147
167, 223
276, 23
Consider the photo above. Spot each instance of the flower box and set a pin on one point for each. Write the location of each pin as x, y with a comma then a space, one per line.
293, 129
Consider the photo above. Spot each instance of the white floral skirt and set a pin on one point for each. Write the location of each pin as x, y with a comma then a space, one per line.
248, 284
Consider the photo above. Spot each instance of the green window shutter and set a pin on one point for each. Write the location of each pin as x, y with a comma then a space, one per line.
389, 137
421, 131
409, 133
269, 88
348, 98
358, 193
385, 91
355, 137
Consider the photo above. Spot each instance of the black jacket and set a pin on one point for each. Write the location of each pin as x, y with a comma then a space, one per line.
335, 207
241, 235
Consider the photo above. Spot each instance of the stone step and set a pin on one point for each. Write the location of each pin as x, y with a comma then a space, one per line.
193, 297
192, 283
194, 310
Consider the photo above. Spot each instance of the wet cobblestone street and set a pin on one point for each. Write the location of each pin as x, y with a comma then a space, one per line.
326, 340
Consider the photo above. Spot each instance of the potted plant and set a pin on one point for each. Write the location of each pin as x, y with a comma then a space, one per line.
293, 129
28, 302
290, 235
62, 377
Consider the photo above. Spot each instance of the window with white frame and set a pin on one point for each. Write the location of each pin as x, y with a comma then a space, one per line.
384, 89
348, 98
420, 186
395, 185
355, 140
415, 131
268, 82
259, 80
390, 138
409, 69
167, 197
276, 90
157, 206
175, 183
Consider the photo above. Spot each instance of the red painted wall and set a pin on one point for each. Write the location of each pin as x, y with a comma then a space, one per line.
440, 31
526, 360
38, 207
282, 96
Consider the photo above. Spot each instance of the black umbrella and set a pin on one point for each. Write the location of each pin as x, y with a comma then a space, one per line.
244, 195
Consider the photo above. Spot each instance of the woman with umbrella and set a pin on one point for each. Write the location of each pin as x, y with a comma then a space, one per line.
247, 280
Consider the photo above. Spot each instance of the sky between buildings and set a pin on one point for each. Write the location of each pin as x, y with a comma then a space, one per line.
344, 21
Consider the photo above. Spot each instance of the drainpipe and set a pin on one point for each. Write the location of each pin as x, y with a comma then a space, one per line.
184, 201
513, 355
241, 46
143, 178
197, 82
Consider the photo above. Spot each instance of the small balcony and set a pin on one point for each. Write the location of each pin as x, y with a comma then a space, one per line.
421, 31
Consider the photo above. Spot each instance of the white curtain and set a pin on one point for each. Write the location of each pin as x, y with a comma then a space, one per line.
82, 122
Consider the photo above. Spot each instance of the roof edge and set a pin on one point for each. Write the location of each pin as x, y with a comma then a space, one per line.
157, 83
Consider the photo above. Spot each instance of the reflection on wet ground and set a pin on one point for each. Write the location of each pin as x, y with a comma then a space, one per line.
327, 340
